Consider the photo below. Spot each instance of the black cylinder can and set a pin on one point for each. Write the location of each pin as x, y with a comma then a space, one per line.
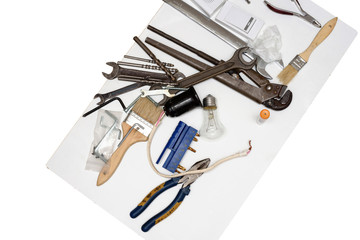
182, 103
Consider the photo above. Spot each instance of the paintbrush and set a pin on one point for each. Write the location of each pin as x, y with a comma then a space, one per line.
300, 60
136, 128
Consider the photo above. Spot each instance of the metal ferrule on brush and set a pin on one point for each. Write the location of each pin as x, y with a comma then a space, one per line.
298, 63
134, 119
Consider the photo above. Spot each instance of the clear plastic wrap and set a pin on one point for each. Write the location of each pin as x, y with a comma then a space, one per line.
268, 44
107, 133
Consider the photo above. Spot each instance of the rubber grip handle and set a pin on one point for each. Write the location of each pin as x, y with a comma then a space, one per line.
152, 195
167, 211
278, 10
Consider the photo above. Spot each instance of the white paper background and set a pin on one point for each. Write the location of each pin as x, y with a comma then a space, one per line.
76, 69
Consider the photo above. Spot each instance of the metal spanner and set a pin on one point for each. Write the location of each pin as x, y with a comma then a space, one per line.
142, 78
145, 93
118, 71
235, 62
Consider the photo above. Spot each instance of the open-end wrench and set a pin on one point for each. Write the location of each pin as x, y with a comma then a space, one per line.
106, 96
142, 78
235, 62
119, 71
269, 94
145, 93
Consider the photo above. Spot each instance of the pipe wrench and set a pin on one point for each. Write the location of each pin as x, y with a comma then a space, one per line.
273, 96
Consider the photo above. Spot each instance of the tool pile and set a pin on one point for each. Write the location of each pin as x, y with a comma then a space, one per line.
245, 72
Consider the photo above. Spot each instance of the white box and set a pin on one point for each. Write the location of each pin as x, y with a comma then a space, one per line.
239, 20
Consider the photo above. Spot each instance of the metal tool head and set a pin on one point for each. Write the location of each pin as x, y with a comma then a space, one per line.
179, 76
190, 179
101, 97
239, 57
115, 71
281, 103
312, 20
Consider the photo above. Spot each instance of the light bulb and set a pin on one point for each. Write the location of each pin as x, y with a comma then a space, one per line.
211, 128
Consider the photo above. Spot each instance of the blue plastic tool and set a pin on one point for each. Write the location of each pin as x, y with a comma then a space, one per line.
178, 144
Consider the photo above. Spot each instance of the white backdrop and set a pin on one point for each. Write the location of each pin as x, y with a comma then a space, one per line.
308, 192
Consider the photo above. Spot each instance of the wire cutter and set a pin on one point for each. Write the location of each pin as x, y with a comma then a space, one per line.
304, 15
186, 181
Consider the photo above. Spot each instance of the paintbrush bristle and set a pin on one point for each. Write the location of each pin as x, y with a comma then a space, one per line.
287, 74
147, 110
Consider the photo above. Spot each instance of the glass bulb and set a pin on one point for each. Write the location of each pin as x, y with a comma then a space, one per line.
211, 128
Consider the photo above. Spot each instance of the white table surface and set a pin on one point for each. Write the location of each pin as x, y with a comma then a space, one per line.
208, 209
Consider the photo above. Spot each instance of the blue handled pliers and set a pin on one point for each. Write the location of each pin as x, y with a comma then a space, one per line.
183, 192
304, 15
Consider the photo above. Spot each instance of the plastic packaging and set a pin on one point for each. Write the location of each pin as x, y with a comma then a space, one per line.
234, 17
268, 44
107, 133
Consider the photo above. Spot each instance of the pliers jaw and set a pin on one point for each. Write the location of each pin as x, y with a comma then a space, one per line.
304, 15
190, 179
311, 20
183, 192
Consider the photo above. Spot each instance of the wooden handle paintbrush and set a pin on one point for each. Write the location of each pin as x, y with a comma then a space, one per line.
300, 60
136, 128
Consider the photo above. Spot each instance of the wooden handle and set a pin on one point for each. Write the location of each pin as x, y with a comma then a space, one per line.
320, 37
108, 170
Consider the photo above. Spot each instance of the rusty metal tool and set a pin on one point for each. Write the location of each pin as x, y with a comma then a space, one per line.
274, 96
186, 182
250, 72
118, 71
145, 66
235, 62
153, 57
147, 60
141, 78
